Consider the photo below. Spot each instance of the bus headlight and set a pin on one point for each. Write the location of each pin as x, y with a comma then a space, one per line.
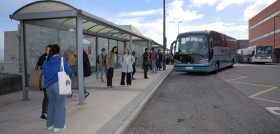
204, 61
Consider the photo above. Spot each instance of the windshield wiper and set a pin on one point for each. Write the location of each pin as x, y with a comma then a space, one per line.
196, 54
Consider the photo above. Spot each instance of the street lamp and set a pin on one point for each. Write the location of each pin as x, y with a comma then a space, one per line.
274, 37
164, 37
178, 25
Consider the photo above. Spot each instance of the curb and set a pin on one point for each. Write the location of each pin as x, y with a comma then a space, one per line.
120, 123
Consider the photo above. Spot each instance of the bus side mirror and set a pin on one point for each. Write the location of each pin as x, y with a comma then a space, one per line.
211, 52
172, 46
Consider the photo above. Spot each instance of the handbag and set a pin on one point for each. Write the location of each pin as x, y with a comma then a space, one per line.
64, 81
36, 79
147, 63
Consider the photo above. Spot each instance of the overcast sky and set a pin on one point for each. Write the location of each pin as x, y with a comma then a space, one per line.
225, 16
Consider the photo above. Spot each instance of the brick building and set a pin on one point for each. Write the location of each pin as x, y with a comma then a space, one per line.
261, 28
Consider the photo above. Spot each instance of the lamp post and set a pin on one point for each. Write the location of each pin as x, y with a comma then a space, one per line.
164, 37
178, 26
274, 37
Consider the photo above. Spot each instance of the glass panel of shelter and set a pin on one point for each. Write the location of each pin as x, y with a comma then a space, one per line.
139, 48
40, 33
89, 44
102, 43
120, 50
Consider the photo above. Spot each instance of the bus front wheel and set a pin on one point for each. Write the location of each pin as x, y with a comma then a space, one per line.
232, 62
216, 68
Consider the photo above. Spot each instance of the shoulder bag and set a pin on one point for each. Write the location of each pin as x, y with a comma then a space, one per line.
64, 81
36, 79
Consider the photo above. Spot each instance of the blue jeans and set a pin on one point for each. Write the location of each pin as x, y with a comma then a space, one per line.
85, 90
154, 66
103, 70
56, 108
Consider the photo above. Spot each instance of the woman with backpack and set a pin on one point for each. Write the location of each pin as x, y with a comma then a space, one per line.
87, 70
102, 65
126, 62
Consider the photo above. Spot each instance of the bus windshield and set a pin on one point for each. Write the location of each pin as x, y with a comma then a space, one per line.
264, 51
192, 45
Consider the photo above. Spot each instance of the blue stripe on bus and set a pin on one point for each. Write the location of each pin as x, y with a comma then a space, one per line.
194, 68
198, 65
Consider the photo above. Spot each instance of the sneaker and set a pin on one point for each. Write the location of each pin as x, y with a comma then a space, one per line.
44, 117
122, 85
86, 95
103, 81
50, 128
146, 78
59, 129
128, 85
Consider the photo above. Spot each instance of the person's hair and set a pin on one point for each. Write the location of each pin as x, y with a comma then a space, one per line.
54, 49
127, 50
114, 48
146, 49
158, 50
133, 53
48, 46
153, 49
84, 50
103, 49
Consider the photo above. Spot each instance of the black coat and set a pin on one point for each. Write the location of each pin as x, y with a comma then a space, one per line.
146, 58
86, 63
41, 61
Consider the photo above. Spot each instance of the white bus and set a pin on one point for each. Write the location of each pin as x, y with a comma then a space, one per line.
255, 54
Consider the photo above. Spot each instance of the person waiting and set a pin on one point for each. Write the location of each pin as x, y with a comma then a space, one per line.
126, 61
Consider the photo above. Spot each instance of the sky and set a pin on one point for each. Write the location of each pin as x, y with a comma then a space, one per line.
225, 16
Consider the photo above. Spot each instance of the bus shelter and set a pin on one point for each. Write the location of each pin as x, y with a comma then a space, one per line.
52, 22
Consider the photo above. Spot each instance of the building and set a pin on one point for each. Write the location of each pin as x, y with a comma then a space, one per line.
242, 44
264, 28
11, 63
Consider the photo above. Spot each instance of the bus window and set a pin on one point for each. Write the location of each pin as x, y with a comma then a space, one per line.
192, 45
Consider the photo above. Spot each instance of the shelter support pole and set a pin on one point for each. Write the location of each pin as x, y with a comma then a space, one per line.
22, 61
130, 43
97, 66
80, 59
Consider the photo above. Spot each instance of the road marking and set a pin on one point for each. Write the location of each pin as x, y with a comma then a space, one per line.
274, 67
262, 92
254, 96
274, 110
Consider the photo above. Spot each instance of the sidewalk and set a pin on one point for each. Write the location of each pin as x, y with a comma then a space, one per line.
106, 110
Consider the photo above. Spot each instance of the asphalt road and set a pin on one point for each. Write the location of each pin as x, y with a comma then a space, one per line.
259, 82
201, 103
